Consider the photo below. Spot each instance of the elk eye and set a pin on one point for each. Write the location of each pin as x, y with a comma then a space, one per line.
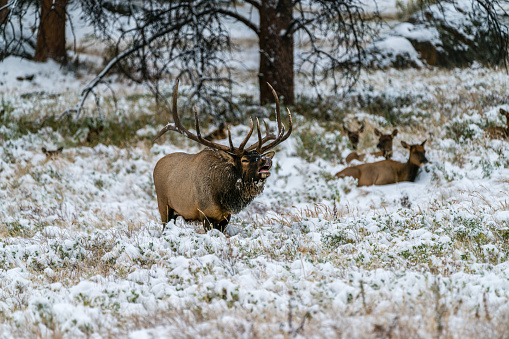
245, 161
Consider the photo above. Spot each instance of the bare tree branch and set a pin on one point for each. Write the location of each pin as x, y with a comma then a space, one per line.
88, 89
240, 18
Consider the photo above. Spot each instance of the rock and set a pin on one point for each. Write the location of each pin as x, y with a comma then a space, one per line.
444, 35
392, 51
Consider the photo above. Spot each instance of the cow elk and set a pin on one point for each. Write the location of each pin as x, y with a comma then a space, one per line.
52, 153
353, 136
500, 132
384, 145
220, 133
220, 180
388, 171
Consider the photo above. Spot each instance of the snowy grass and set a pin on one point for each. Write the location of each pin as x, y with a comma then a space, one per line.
82, 253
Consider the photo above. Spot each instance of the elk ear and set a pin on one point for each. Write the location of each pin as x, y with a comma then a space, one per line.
395, 132
269, 154
346, 129
424, 142
361, 129
504, 112
227, 157
404, 144
377, 132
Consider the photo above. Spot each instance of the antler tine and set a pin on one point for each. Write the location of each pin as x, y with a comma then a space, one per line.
230, 139
164, 130
246, 139
281, 136
278, 110
268, 136
258, 149
174, 113
196, 122
266, 125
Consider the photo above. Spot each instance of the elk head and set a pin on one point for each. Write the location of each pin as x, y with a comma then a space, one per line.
353, 136
417, 153
506, 114
52, 153
211, 185
385, 142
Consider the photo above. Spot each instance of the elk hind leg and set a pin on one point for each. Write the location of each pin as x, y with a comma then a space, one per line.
167, 213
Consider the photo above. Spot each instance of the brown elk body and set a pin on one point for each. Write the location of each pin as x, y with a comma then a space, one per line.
384, 145
217, 182
388, 171
500, 132
354, 136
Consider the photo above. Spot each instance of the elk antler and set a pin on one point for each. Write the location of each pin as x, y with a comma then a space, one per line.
177, 126
281, 136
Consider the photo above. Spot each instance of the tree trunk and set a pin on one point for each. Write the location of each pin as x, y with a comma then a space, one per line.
51, 34
3, 13
276, 51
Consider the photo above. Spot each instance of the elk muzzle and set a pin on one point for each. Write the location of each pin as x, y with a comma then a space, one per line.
264, 171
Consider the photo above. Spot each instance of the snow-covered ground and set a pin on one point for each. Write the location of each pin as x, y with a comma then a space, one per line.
82, 253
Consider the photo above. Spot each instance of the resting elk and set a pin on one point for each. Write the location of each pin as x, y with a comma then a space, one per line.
52, 153
220, 180
218, 134
384, 145
353, 136
500, 132
388, 171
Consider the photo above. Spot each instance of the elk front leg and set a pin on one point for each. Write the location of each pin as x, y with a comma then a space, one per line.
209, 224
221, 225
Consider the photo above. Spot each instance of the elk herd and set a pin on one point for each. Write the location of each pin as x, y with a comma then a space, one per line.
222, 180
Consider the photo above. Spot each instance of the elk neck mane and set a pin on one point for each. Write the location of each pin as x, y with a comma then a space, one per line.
233, 192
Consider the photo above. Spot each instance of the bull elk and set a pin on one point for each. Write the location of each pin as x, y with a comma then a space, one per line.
500, 132
384, 145
220, 180
353, 136
388, 171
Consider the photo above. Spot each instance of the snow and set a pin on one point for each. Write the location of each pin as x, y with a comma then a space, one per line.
82, 249
48, 77
385, 52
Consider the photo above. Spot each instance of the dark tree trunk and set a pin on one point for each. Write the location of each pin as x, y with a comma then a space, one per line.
3, 13
51, 34
276, 51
